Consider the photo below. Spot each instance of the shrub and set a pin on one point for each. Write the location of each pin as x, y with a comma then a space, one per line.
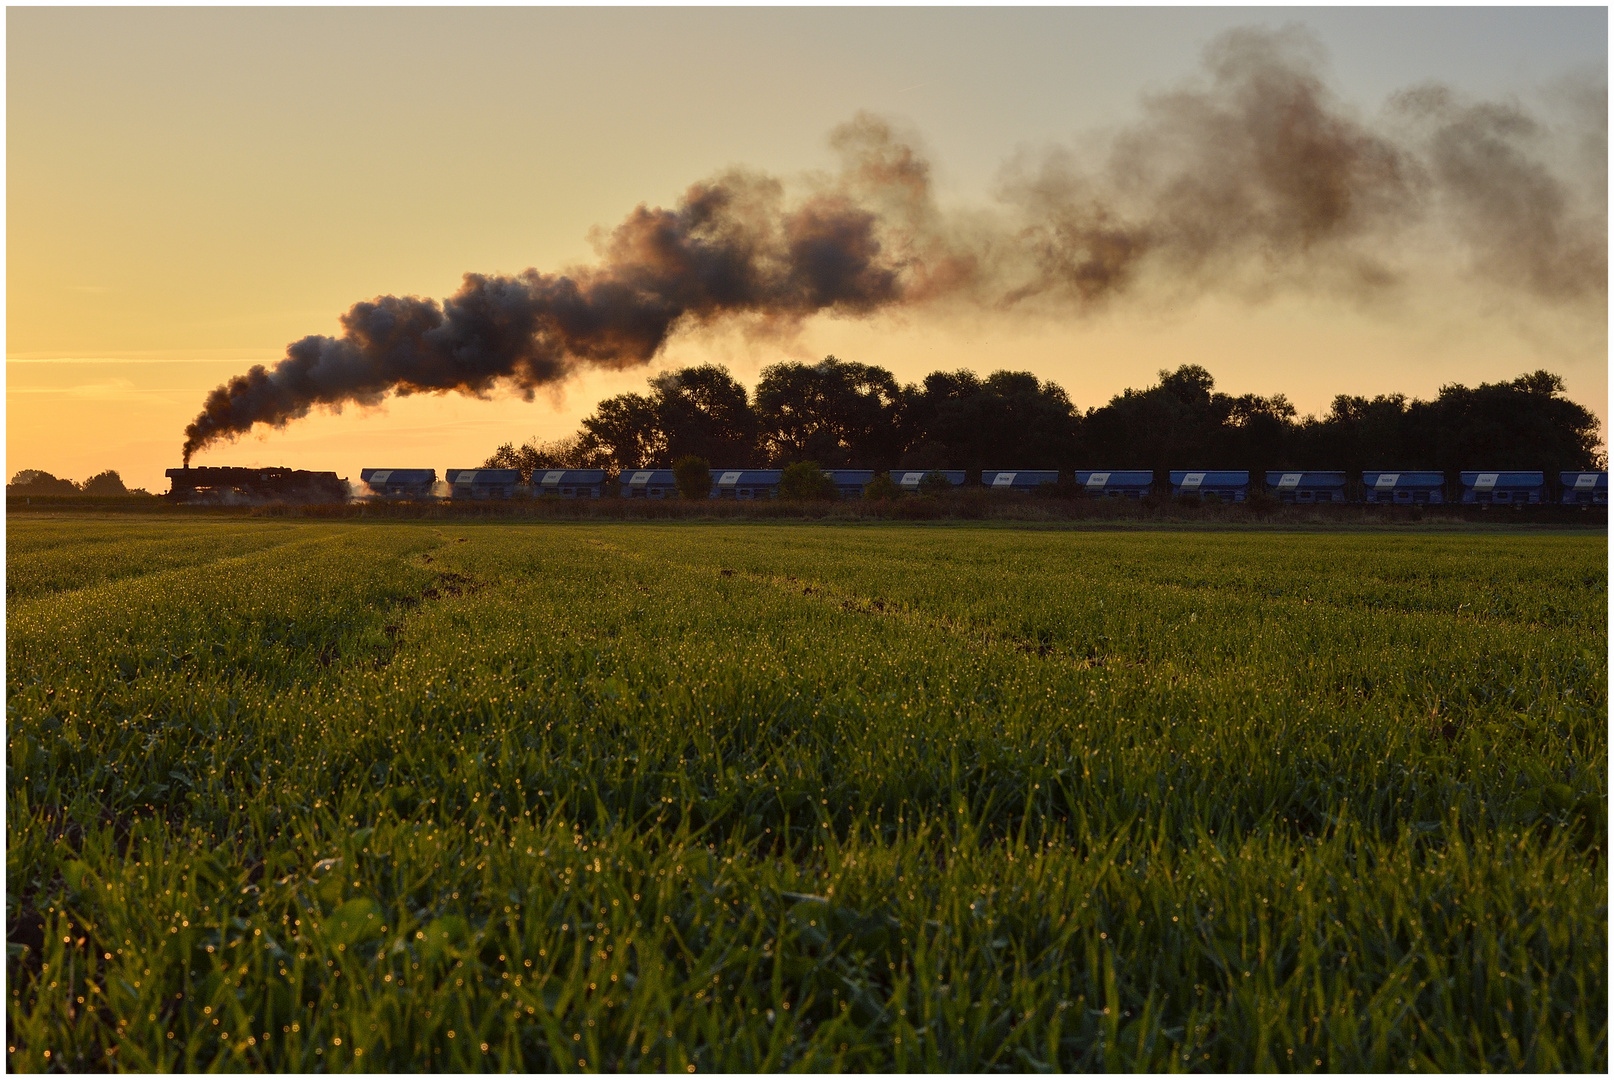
805, 480
693, 475
882, 487
36, 482
1063, 488
935, 482
1261, 501
106, 483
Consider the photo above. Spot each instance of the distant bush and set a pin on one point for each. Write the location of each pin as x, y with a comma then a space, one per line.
935, 482
1063, 488
37, 482
693, 475
572, 452
106, 483
805, 480
882, 487
1261, 501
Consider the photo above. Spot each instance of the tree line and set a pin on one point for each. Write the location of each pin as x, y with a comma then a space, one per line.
838, 413
38, 482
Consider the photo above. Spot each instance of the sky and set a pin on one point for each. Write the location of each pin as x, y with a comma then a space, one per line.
191, 190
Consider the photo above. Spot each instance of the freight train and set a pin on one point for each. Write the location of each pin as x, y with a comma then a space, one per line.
1382, 487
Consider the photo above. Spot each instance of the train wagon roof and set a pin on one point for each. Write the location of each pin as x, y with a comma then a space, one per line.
483, 476
1114, 477
1018, 477
398, 476
1387, 479
1583, 481
849, 476
647, 478
914, 477
1501, 479
556, 477
1292, 478
745, 477
1210, 477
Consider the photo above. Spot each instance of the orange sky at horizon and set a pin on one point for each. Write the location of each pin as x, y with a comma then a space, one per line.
191, 189
1247, 350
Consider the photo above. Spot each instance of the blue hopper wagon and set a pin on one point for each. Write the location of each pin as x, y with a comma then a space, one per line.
1502, 488
849, 483
1583, 488
910, 479
1425, 488
746, 484
1018, 479
1307, 487
648, 484
1116, 484
568, 483
400, 483
1228, 485
483, 483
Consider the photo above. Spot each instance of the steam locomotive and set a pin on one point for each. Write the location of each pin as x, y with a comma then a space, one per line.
223, 485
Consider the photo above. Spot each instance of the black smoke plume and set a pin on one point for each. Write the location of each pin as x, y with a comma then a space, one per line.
731, 247
1255, 176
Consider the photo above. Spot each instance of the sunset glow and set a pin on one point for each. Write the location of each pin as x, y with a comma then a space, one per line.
191, 190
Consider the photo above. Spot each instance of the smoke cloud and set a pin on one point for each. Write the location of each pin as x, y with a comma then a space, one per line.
731, 247
1259, 168
1255, 176
1524, 223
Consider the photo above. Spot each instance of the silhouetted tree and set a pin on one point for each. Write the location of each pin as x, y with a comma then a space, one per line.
627, 431
847, 414
1523, 424
1259, 433
835, 412
705, 411
38, 482
535, 455
105, 483
1010, 419
700, 410
1173, 424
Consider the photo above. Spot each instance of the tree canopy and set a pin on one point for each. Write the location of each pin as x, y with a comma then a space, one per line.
845, 414
38, 482
700, 411
834, 412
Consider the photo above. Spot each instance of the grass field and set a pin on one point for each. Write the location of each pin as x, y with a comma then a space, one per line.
318, 796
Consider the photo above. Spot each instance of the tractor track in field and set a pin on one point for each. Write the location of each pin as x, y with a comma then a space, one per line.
446, 584
854, 603
980, 637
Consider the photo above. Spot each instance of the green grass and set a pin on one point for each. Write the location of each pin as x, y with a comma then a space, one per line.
448, 795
